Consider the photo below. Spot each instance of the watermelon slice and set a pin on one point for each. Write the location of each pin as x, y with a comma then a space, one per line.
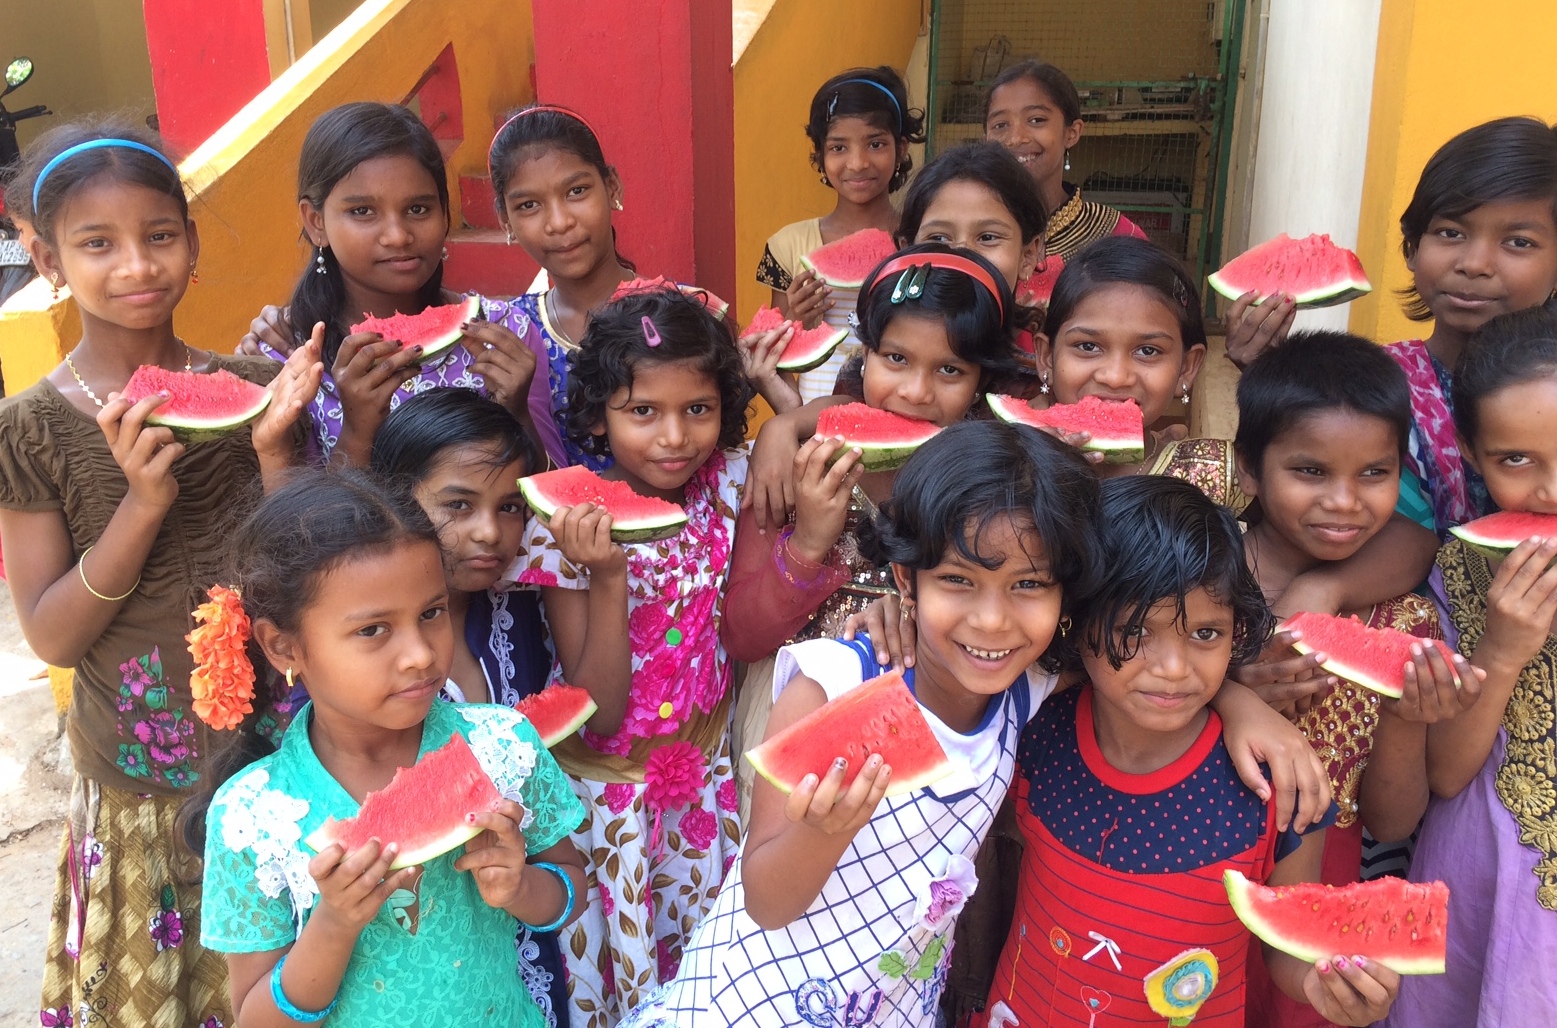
715, 305
423, 808
1117, 430
1374, 658
880, 716
806, 349
886, 439
844, 263
557, 711
1313, 269
1402, 925
199, 407
634, 518
1497, 534
434, 330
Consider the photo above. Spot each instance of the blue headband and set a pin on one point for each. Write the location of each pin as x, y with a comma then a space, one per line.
92, 144
871, 82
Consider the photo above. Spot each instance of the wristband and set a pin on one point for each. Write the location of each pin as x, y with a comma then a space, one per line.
286, 1006
567, 907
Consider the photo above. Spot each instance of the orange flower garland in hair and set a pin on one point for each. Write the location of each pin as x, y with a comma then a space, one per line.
223, 679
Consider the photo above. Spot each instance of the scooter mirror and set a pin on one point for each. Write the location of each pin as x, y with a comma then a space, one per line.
17, 72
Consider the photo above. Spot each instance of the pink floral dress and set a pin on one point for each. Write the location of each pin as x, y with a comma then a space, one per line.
661, 828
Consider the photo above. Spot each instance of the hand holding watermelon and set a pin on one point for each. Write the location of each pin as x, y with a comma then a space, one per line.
1351, 990
1284, 677
1521, 606
761, 352
368, 369
290, 392
829, 807
1436, 689
506, 365
145, 453
354, 886
583, 534
1255, 324
808, 298
496, 857
822, 494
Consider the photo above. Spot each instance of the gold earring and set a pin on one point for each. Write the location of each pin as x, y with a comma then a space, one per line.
1184, 399
194, 276
616, 205
289, 680
906, 611
1065, 624
54, 282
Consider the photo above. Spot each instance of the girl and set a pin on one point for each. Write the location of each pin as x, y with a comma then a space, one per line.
860, 127
109, 525
1129, 805
374, 200
1488, 834
341, 583
840, 907
657, 384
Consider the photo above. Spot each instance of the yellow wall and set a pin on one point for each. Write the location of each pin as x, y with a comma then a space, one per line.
1440, 69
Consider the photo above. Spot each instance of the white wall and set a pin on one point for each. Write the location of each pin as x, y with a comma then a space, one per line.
1313, 132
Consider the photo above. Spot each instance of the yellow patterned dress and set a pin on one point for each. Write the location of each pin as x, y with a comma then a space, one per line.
1206, 464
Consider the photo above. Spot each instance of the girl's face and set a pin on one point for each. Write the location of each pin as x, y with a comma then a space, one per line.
916, 373
1498, 258
980, 627
972, 216
559, 209
663, 427
1122, 342
1024, 119
126, 252
1328, 483
1516, 445
858, 158
480, 514
385, 224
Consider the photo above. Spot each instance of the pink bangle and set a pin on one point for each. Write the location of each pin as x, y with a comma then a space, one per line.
795, 569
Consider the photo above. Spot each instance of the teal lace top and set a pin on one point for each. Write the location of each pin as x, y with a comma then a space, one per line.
436, 954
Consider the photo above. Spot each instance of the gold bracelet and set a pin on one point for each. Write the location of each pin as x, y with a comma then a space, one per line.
81, 569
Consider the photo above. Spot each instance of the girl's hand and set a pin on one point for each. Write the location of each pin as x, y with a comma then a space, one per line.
1251, 329
760, 355
353, 886
368, 370
145, 453
822, 495
1351, 990
583, 534
770, 475
273, 327
809, 298
290, 393
1520, 604
1435, 689
1284, 678
891, 634
1254, 735
504, 362
496, 857
819, 804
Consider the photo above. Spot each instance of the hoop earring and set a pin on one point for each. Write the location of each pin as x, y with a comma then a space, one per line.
1043, 383
1065, 624
1184, 399
906, 610
319, 268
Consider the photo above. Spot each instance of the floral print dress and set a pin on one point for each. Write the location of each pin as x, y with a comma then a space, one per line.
661, 826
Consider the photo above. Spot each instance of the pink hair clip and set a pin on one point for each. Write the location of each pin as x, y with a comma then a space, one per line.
651, 335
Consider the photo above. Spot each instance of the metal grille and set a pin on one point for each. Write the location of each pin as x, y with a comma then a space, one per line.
1156, 79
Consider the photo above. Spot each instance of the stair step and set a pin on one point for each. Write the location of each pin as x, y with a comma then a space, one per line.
480, 260
478, 202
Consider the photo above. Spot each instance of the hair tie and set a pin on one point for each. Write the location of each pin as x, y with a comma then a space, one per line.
552, 108
94, 144
910, 287
651, 334
222, 682
870, 82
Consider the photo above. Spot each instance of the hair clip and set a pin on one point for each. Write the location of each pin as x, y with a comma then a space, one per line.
916, 287
900, 291
853, 321
1180, 293
832, 105
651, 335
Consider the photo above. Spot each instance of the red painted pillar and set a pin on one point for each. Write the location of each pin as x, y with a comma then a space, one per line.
654, 80
207, 61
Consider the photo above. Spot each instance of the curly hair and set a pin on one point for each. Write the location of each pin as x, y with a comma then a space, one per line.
616, 342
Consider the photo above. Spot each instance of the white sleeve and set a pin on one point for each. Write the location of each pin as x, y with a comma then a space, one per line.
1040, 686
833, 665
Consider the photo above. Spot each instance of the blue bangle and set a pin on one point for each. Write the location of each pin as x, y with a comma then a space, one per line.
567, 908
286, 1006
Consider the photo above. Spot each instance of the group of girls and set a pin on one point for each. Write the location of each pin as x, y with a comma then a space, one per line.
358, 583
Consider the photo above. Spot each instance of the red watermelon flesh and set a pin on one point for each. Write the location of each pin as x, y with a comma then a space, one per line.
1374, 658
1313, 269
880, 716
1497, 534
805, 349
422, 809
1117, 429
1399, 924
199, 406
844, 263
1036, 289
434, 330
634, 518
557, 711
648, 285
886, 440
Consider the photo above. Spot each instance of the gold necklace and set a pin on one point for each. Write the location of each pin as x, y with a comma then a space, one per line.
189, 365
554, 323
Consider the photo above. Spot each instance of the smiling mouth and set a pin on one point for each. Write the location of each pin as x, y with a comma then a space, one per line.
988, 654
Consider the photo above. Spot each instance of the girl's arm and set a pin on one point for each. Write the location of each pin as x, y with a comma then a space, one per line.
772, 592
291, 391
589, 627
505, 877
760, 354
1392, 563
795, 842
1255, 734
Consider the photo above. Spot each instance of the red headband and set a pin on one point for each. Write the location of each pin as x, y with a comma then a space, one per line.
532, 110
948, 261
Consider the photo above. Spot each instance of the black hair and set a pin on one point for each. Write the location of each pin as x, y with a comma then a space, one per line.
312, 525
1520, 346
991, 166
1061, 90
979, 323
1310, 372
125, 164
418, 431
1162, 539
1125, 260
845, 95
616, 342
974, 473
1504, 159
338, 141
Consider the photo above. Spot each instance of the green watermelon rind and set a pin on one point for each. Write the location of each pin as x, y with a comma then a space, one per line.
584, 709
190, 430
878, 456
838, 281
1117, 450
1246, 899
1496, 547
642, 530
824, 340
434, 350
1342, 290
